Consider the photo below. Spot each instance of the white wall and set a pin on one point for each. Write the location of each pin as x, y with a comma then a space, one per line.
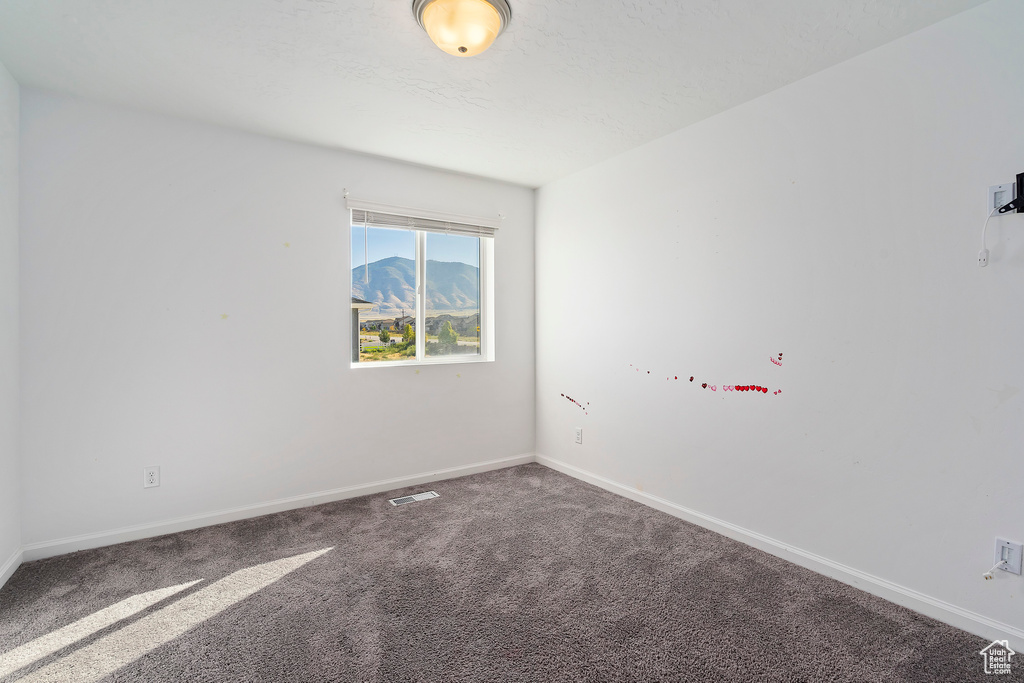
10, 489
837, 221
139, 232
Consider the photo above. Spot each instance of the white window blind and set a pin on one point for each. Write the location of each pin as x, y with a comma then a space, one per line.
377, 219
376, 215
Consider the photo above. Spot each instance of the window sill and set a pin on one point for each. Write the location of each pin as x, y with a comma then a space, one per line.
420, 364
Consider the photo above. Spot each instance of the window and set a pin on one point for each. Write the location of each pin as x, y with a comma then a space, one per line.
421, 287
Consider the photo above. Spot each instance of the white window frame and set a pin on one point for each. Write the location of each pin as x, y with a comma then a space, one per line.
486, 260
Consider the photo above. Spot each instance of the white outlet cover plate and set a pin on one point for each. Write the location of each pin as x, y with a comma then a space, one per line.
1009, 191
579, 435
146, 477
1014, 552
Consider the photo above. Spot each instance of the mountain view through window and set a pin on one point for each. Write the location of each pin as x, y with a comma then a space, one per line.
384, 285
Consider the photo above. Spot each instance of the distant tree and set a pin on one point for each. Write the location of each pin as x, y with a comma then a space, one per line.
408, 334
384, 335
447, 336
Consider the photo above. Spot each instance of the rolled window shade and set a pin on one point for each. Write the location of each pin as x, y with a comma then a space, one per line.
381, 219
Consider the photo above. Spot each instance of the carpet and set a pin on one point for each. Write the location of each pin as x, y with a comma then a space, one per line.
520, 574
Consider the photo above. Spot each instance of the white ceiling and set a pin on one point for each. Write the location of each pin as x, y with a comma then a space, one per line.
570, 83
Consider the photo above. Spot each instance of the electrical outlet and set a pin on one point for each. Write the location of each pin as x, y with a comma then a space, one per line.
1000, 195
579, 435
150, 477
1010, 553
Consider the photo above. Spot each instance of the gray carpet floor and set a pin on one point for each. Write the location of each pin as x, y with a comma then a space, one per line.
521, 574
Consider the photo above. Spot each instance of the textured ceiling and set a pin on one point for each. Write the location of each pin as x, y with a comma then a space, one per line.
570, 83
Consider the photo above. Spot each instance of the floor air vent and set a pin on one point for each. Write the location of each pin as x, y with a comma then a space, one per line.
413, 498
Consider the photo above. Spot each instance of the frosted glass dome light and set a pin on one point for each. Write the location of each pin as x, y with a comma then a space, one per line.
462, 27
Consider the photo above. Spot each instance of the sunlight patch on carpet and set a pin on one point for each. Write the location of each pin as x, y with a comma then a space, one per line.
44, 646
124, 646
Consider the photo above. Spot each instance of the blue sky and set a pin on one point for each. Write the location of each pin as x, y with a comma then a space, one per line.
384, 243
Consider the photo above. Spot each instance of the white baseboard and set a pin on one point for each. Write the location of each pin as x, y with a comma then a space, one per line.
969, 621
37, 551
8, 568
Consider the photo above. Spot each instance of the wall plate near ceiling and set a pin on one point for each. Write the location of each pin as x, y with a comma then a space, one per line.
999, 195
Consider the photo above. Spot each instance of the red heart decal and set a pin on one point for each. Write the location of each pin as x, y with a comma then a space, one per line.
705, 385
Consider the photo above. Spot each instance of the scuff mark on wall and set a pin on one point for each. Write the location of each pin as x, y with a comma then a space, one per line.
1005, 394
579, 405
757, 388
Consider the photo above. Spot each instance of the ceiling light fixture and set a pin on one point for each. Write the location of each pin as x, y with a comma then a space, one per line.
462, 27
